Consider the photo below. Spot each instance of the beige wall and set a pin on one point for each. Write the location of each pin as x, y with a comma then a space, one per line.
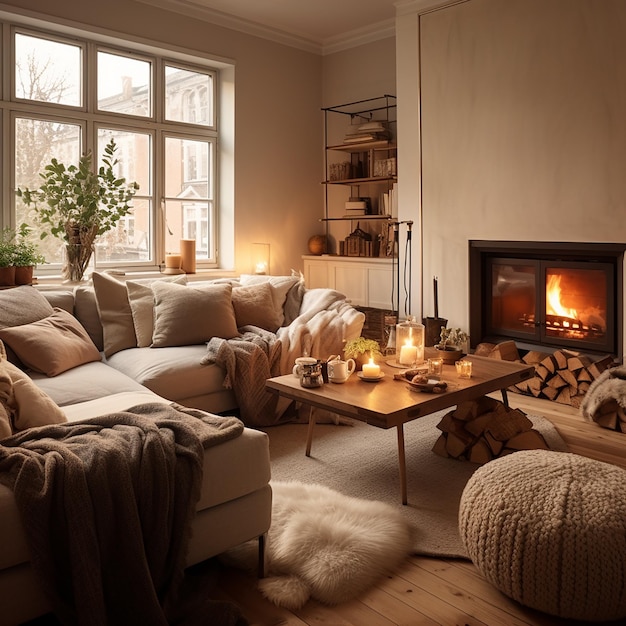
278, 126
523, 130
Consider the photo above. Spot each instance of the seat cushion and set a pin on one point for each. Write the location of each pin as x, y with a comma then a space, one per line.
174, 372
232, 470
85, 382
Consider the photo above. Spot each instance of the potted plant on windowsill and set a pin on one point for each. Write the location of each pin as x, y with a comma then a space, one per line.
361, 350
18, 257
452, 344
77, 205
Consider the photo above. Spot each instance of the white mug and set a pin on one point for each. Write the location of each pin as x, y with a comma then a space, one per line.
300, 361
339, 371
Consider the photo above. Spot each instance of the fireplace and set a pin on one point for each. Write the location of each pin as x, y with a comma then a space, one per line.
547, 295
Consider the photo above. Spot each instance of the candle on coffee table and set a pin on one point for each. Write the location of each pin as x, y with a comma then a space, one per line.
408, 354
371, 370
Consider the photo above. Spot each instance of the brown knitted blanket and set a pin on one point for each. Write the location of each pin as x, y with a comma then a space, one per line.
248, 361
106, 505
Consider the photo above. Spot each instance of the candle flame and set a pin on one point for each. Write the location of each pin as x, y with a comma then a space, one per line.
371, 361
408, 342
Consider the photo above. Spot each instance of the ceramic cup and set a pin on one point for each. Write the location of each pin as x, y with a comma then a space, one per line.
339, 371
300, 361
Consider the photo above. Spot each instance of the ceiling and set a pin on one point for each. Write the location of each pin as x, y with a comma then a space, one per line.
320, 26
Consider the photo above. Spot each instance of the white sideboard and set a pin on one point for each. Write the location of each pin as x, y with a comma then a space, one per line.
366, 281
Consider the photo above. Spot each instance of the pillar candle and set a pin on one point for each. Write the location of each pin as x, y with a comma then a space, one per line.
173, 261
188, 255
408, 354
371, 370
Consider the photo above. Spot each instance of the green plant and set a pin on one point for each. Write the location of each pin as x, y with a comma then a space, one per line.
356, 347
17, 250
452, 338
77, 204
74, 197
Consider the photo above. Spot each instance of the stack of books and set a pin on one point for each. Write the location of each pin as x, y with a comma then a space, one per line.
357, 206
370, 131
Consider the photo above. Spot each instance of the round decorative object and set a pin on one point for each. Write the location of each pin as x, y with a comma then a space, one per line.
450, 354
548, 529
317, 244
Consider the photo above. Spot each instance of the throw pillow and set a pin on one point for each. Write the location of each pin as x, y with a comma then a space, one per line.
23, 403
86, 312
141, 299
254, 305
280, 286
52, 345
293, 302
190, 315
118, 329
21, 305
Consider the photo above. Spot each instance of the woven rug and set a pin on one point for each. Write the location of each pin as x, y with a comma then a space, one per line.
362, 461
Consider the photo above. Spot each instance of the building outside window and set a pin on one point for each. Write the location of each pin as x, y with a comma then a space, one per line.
69, 96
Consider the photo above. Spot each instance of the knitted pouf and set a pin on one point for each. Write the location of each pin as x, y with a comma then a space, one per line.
548, 529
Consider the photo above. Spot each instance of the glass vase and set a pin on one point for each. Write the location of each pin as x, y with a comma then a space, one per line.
409, 342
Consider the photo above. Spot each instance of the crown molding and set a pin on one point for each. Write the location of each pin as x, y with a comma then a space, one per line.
409, 7
347, 40
360, 36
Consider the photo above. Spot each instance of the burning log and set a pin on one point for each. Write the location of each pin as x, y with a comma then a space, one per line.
483, 429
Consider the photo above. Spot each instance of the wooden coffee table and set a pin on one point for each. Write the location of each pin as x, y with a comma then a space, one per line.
392, 403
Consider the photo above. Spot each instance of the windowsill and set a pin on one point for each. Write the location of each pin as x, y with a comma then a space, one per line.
57, 281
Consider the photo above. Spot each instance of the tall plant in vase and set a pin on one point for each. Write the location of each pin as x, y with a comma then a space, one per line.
77, 204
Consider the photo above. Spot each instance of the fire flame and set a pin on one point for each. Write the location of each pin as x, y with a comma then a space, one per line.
553, 299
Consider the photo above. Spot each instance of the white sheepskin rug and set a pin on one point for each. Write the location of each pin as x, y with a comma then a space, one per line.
326, 545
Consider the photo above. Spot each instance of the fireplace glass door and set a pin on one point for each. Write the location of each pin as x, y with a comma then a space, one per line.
559, 303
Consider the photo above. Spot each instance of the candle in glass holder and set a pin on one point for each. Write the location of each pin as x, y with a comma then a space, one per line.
408, 354
464, 369
435, 366
371, 370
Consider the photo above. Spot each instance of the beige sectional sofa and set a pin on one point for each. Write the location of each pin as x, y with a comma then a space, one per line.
235, 502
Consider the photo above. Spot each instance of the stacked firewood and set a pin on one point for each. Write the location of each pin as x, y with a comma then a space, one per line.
483, 429
563, 376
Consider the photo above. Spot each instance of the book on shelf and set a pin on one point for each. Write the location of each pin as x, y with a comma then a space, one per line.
388, 203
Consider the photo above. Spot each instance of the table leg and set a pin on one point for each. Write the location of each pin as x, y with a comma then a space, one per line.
402, 463
309, 434
505, 397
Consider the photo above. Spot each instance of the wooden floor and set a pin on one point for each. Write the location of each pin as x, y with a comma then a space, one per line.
426, 590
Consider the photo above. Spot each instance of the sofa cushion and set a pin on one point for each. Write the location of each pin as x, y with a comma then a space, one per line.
173, 372
141, 299
280, 286
86, 312
21, 305
51, 345
24, 404
87, 382
118, 329
254, 305
191, 315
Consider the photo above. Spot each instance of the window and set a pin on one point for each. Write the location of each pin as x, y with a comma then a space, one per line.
161, 114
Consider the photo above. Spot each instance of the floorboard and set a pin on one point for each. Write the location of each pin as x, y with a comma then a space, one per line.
428, 591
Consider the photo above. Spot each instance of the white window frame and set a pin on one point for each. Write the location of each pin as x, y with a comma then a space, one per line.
222, 253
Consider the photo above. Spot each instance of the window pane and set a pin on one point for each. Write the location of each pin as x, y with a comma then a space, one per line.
47, 71
189, 194
188, 96
131, 240
124, 85
36, 143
